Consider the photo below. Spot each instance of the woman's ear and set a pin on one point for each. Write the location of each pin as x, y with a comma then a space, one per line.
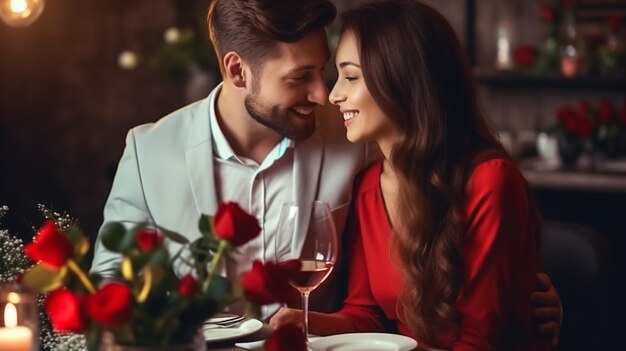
234, 68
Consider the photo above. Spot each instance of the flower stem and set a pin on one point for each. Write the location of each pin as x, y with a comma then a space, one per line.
213, 265
81, 275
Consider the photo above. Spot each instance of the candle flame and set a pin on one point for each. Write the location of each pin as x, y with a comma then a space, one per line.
10, 315
13, 298
19, 6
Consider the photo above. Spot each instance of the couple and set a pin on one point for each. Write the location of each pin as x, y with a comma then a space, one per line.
441, 240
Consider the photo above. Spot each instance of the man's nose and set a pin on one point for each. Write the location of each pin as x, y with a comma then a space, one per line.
319, 92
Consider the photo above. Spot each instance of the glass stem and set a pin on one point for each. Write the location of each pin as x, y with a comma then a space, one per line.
305, 309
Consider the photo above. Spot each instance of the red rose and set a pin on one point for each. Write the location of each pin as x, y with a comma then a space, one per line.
605, 111
525, 56
289, 337
583, 107
148, 239
235, 225
614, 22
65, 311
586, 127
187, 286
111, 305
567, 116
546, 12
269, 282
50, 246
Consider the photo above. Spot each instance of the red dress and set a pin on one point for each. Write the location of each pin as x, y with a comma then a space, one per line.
500, 254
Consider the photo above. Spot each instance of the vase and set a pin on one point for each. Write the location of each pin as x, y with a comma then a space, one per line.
548, 149
570, 149
108, 344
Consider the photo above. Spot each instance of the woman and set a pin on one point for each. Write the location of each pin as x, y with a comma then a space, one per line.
444, 247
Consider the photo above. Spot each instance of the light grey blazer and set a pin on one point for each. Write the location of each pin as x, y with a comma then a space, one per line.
165, 176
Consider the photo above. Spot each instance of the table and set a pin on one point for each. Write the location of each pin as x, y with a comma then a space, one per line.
260, 335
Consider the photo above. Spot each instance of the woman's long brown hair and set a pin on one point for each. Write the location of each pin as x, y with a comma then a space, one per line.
416, 71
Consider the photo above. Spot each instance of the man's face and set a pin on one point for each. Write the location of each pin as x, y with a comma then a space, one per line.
286, 88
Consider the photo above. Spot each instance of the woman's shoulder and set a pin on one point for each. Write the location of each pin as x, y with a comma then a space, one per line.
496, 173
368, 179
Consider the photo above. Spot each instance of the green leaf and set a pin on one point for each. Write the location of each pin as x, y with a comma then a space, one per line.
113, 234
43, 279
175, 237
159, 257
205, 225
220, 288
202, 251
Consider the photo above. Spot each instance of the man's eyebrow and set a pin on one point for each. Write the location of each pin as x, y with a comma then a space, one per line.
348, 63
301, 68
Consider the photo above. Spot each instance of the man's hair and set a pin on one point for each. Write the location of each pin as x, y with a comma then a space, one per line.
253, 28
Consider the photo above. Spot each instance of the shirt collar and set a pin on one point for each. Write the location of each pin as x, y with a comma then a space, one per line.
222, 148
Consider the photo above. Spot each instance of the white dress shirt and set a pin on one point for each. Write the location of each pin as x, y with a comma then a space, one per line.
260, 189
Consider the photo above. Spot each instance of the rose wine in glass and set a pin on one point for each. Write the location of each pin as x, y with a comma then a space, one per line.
306, 232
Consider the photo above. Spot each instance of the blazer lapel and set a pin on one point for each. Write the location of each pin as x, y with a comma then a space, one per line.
306, 172
199, 159
307, 168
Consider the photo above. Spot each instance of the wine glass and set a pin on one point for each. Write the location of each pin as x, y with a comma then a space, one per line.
306, 232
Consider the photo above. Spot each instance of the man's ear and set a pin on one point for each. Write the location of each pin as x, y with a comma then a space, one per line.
234, 67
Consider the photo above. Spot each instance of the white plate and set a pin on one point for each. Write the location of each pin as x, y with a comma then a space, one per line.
364, 342
220, 334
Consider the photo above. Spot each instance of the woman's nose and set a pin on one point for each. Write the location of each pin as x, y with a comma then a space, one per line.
336, 96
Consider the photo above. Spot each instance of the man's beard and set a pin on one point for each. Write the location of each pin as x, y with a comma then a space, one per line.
277, 118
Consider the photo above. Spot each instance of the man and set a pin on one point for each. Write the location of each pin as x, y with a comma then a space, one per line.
254, 140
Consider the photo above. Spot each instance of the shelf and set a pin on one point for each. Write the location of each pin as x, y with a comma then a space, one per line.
608, 176
514, 81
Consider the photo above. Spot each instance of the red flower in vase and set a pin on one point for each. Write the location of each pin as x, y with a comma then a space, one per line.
66, 311
614, 23
525, 56
575, 122
288, 337
547, 13
50, 246
111, 305
268, 283
605, 111
235, 225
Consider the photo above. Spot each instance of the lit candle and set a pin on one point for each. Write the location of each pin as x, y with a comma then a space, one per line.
12, 336
19, 6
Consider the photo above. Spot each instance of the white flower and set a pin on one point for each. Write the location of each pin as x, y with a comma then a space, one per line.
127, 60
171, 35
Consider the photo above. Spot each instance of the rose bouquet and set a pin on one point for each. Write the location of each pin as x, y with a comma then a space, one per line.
583, 128
147, 304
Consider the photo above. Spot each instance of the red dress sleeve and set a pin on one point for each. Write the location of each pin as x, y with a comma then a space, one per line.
501, 257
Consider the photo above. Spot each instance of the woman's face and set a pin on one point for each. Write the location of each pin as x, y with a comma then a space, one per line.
363, 118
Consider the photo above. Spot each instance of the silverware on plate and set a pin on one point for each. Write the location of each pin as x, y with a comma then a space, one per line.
224, 322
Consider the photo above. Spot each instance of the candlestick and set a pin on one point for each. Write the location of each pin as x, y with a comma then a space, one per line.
18, 319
